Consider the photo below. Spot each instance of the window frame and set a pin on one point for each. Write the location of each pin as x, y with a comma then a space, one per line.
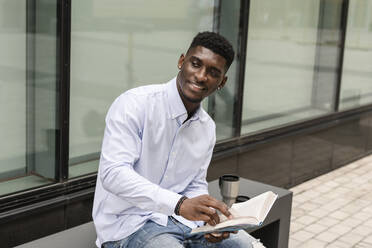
223, 148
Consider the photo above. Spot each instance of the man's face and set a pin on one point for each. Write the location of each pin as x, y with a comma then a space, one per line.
201, 72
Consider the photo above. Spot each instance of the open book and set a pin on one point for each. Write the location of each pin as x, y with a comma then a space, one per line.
246, 214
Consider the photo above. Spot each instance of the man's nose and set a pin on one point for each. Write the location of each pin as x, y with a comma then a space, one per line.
201, 75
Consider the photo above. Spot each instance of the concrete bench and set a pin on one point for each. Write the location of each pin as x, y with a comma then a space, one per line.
82, 236
273, 233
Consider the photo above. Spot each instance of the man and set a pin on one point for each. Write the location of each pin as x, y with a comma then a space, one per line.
158, 142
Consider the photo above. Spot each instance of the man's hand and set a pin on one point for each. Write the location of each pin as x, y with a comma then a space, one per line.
203, 208
216, 237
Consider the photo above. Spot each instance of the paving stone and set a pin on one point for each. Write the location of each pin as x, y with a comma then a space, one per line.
327, 237
314, 243
294, 243
321, 200
342, 180
362, 230
322, 189
338, 244
368, 239
334, 210
298, 212
363, 161
313, 183
302, 236
341, 190
301, 198
368, 223
296, 191
362, 203
351, 222
330, 206
295, 226
340, 215
315, 228
359, 180
368, 197
362, 215
309, 206
367, 209
311, 194
354, 165
319, 213
306, 220
340, 229
351, 238
331, 184
352, 208
295, 204
362, 244
328, 221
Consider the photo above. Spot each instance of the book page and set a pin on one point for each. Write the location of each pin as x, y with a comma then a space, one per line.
245, 214
269, 202
257, 207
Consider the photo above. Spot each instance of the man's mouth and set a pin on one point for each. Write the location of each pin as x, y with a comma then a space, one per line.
197, 86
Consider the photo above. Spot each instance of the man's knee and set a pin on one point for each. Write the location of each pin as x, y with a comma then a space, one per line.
244, 240
163, 241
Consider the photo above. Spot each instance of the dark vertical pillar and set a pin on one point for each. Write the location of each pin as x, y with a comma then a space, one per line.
63, 84
30, 84
328, 55
241, 56
344, 14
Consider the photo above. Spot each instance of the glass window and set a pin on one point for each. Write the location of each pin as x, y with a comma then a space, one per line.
356, 85
291, 62
27, 94
117, 45
222, 104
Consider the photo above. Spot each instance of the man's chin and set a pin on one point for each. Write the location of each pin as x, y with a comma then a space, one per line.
194, 99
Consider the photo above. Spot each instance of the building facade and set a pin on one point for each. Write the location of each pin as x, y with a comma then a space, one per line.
298, 102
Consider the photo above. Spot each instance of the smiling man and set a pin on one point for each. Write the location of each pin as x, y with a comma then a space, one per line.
158, 142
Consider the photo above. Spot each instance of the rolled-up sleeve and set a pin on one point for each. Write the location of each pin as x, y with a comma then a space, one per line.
121, 149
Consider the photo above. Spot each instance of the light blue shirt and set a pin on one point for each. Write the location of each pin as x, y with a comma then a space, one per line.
149, 159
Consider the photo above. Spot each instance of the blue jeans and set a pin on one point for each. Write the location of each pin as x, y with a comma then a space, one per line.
177, 235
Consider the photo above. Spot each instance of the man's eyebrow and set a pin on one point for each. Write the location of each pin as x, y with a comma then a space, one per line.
194, 57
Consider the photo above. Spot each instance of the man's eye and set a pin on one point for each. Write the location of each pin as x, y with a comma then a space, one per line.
215, 74
195, 64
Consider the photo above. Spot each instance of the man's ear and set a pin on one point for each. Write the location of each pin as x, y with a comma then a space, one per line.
222, 84
181, 60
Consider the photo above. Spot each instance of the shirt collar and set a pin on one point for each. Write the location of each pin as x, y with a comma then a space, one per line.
177, 108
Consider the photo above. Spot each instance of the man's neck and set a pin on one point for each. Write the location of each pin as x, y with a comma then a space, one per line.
189, 115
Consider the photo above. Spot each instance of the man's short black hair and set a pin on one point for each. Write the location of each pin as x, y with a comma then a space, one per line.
216, 43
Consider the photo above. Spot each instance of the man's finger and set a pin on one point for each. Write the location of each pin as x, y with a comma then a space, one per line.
205, 218
225, 235
212, 238
207, 210
222, 207
212, 213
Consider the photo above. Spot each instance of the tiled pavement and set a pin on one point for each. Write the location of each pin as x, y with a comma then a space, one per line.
335, 209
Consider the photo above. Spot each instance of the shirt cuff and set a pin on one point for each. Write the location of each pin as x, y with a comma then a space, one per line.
167, 201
